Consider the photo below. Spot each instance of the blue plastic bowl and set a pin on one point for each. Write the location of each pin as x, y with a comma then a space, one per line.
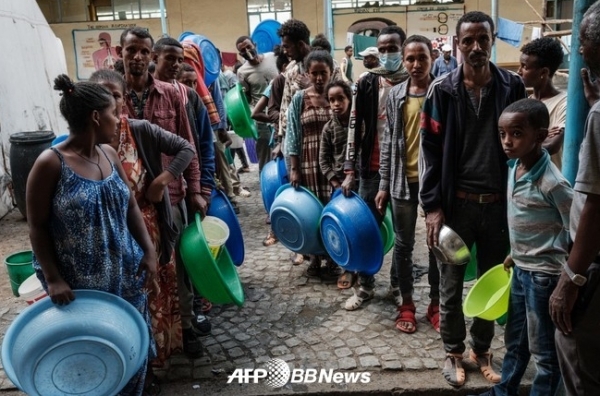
351, 235
221, 207
265, 35
272, 176
216, 279
59, 139
295, 217
210, 55
92, 346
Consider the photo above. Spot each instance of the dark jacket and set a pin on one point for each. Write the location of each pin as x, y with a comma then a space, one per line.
443, 114
152, 141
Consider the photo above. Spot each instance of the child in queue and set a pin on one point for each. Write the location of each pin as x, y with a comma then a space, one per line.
307, 114
86, 229
538, 249
332, 150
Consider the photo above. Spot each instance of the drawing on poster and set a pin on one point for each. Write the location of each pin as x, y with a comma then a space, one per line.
94, 50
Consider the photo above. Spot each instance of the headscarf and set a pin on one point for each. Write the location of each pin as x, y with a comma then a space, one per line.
193, 57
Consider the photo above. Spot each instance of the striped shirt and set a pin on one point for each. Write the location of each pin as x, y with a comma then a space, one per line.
538, 216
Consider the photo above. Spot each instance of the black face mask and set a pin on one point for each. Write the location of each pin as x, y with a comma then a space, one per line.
249, 54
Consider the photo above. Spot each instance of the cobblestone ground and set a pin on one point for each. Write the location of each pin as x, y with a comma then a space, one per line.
288, 316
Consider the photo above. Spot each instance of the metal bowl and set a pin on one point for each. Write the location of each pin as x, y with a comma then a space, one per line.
451, 249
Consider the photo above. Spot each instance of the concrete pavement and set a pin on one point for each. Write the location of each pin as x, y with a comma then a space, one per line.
297, 319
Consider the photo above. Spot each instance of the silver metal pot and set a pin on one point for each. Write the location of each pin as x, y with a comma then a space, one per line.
451, 249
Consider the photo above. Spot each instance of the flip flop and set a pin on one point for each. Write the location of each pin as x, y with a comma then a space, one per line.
271, 239
453, 371
346, 280
406, 314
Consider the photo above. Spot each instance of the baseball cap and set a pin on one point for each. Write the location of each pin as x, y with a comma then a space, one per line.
370, 51
446, 48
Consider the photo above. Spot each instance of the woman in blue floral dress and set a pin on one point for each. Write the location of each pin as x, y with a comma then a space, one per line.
86, 229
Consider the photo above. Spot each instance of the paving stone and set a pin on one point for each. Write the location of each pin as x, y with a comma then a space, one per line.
343, 352
280, 350
392, 365
336, 343
356, 328
354, 342
430, 363
292, 342
235, 352
363, 350
324, 355
391, 356
347, 363
412, 364
369, 361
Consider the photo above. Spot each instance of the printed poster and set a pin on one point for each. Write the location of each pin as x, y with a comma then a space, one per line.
95, 49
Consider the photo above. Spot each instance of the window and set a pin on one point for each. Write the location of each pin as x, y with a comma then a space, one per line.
259, 10
61, 11
384, 3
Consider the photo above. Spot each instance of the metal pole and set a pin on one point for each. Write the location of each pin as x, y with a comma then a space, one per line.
577, 106
328, 21
495, 19
163, 20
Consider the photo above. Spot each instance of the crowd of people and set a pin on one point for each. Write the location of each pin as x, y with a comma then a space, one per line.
462, 144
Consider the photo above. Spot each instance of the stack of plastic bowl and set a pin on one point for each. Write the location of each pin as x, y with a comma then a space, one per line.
488, 298
295, 215
215, 278
31, 290
351, 235
272, 176
221, 208
92, 346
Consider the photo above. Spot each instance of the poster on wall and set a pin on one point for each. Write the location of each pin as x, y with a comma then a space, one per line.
433, 21
95, 49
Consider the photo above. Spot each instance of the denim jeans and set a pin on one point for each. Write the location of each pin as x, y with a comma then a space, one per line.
530, 332
405, 213
368, 189
484, 224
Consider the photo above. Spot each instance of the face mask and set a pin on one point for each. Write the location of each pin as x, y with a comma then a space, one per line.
390, 61
249, 54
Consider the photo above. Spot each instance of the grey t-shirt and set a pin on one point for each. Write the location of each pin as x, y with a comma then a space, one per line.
588, 175
479, 170
258, 76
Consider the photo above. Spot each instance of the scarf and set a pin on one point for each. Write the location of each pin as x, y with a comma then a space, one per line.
396, 77
193, 57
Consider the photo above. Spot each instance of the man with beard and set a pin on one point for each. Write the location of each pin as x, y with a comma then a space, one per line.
463, 178
160, 103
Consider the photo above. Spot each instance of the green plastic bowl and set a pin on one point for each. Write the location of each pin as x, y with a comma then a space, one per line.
471, 272
387, 231
239, 113
215, 278
488, 298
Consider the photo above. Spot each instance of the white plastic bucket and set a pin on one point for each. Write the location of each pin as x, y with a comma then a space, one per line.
31, 290
216, 232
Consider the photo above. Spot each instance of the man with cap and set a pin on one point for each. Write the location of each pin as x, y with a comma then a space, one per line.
370, 57
444, 64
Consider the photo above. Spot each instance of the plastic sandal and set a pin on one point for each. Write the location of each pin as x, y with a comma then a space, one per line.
406, 314
358, 298
484, 361
453, 371
346, 280
270, 239
433, 315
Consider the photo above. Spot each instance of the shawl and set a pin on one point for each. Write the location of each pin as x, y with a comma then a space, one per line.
193, 57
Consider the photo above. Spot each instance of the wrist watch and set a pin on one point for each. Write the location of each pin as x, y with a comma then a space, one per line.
579, 280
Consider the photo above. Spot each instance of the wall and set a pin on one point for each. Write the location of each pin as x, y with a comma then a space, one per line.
33, 57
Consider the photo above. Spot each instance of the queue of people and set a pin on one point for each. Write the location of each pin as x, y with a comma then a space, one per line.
468, 147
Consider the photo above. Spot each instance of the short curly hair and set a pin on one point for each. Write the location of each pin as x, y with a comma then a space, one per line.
548, 51
474, 17
295, 30
593, 27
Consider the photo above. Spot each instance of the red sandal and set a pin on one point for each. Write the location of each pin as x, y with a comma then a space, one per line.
433, 315
406, 314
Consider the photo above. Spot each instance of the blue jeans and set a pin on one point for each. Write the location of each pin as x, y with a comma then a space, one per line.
484, 224
530, 332
368, 189
405, 213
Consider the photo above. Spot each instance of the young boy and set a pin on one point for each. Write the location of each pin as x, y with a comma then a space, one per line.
538, 201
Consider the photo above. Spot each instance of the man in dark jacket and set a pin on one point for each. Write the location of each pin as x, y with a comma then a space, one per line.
463, 179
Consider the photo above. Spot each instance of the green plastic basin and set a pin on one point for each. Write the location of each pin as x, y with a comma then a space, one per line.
387, 231
215, 278
488, 298
239, 114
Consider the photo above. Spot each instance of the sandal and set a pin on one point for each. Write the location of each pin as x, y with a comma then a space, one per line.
346, 280
358, 298
406, 314
271, 239
453, 371
484, 361
297, 258
314, 268
433, 315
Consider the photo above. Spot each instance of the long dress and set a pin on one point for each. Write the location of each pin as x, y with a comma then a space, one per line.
163, 299
93, 245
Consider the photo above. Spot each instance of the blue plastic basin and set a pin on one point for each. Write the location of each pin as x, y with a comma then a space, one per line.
221, 207
351, 235
210, 55
265, 35
272, 176
92, 346
295, 217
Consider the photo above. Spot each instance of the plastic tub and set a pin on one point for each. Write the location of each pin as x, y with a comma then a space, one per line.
488, 298
388, 236
210, 56
216, 232
272, 176
239, 113
221, 207
31, 290
19, 266
265, 35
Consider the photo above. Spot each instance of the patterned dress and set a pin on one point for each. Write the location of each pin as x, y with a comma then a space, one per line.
305, 126
163, 298
93, 245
